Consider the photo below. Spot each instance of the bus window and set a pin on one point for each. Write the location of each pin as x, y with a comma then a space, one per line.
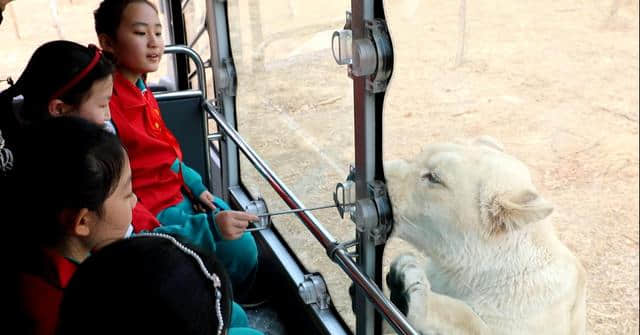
295, 108
557, 83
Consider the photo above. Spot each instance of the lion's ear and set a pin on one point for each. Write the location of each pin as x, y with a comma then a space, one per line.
507, 212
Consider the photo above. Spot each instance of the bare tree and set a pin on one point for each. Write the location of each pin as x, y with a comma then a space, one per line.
53, 6
462, 15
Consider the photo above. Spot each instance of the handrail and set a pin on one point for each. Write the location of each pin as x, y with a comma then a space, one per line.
335, 250
202, 85
183, 49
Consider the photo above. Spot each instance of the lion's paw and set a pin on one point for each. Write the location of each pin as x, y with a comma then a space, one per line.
405, 277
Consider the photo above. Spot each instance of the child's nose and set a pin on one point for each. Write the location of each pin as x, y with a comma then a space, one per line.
155, 41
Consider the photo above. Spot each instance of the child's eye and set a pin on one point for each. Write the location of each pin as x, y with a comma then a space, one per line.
158, 34
139, 33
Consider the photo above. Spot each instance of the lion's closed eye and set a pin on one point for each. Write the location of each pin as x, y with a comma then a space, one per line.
432, 177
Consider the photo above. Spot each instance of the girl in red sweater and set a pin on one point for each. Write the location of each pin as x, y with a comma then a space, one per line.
131, 32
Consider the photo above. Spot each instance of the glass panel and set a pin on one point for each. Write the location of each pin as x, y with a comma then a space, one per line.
295, 108
557, 83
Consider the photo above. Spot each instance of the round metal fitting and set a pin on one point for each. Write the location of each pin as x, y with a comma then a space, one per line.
257, 207
364, 60
366, 215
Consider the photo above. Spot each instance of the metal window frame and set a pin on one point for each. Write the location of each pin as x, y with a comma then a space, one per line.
216, 22
368, 108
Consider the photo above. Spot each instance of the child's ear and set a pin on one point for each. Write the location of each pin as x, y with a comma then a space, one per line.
58, 108
106, 43
77, 222
82, 222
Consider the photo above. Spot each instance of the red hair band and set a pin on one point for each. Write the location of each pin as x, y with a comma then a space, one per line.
81, 74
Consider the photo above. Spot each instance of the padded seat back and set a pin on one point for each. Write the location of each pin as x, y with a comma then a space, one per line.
182, 112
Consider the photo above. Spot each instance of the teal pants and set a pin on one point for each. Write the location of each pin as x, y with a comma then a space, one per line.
239, 322
240, 257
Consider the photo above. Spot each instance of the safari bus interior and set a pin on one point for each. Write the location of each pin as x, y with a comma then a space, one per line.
290, 107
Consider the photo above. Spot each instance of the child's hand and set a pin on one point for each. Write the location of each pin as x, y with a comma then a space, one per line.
232, 224
207, 199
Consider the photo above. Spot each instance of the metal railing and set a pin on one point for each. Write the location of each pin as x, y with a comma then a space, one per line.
202, 86
183, 49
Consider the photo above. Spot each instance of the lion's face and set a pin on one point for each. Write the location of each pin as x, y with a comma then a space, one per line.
462, 189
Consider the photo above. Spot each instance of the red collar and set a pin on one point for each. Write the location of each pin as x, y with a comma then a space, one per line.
129, 94
64, 267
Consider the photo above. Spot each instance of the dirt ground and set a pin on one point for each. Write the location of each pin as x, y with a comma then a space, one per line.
555, 81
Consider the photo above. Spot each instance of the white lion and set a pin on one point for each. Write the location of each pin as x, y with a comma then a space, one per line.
495, 266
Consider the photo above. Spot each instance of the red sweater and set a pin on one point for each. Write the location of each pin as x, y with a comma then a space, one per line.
143, 219
41, 289
152, 148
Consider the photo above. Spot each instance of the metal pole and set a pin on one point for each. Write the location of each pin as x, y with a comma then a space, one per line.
390, 312
365, 158
291, 211
202, 80
183, 49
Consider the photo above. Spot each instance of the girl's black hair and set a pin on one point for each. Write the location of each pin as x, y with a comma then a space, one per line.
109, 15
52, 66
64, 163
144, 285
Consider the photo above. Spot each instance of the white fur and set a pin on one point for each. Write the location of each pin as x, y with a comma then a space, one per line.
495, 266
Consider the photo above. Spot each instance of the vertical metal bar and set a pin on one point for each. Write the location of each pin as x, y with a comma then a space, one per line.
365, 158
216, 22
202, 85
181, 63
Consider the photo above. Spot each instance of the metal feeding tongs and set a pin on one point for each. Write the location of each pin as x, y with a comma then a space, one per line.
265, 217
259, 208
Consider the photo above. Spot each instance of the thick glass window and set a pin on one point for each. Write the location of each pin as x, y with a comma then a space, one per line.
557, 83
295, 108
